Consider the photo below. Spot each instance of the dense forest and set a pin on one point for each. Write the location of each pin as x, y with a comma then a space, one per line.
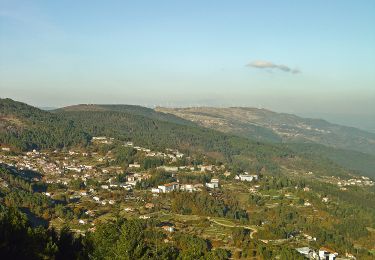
27, 128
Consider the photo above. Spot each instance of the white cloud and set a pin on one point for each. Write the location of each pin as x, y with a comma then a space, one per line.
261, 64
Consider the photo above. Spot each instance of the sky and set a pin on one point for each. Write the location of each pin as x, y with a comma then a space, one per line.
305, 57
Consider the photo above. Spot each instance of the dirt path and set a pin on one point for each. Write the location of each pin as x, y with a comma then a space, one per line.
253, 230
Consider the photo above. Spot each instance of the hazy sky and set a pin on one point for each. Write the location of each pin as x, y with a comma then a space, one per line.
292, 56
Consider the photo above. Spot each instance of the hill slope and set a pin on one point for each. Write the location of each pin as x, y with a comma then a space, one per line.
263, 124
145, 130
129, 109
27, 127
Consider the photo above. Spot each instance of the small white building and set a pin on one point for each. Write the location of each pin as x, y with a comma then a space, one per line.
155, 190
129, 144
134, 165
308, 253
247, 177
187, 187
327, 254
206, 168
82, 222
213, 184
173, 186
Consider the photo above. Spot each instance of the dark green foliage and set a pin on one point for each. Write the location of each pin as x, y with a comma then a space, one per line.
361, 162
124, 155
150, 162
19, 241
26, 128
203, 203
136, 239
157, 178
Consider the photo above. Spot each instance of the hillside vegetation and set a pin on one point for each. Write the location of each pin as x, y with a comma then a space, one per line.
27, 128
265, 125
75, 126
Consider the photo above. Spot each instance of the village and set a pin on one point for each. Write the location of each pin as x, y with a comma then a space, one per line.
96, 186
92, 182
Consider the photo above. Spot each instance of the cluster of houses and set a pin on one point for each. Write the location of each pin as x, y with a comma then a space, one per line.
171, 154
176, 186
360, 181
323, 253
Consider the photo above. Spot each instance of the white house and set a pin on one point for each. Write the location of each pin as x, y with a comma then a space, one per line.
247, 177
155, 190
308, 253
213, 184
327, 254
205, 168
134, 165
169, 187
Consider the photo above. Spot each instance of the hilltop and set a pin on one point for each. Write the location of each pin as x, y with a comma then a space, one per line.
266, 125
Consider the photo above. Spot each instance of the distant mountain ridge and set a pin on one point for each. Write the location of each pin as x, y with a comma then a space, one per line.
130, 109
267, 125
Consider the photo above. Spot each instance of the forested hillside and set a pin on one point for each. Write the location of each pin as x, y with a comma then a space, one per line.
129, 109
360, 162
26, 127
